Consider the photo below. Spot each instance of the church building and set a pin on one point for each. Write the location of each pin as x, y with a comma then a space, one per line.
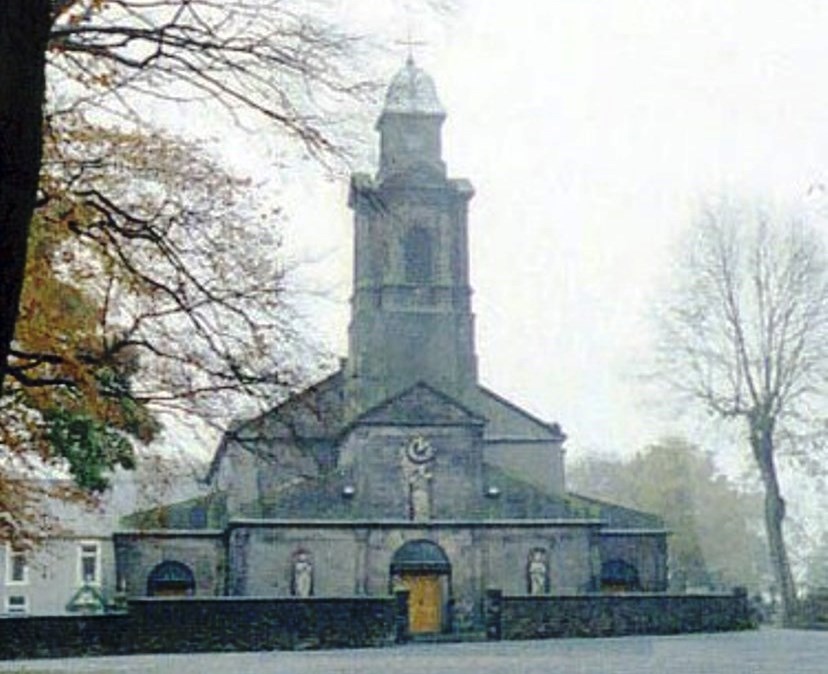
400, 470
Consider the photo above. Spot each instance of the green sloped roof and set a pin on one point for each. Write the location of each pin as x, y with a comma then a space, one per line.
311, 499
323, 500
203, 512
520, 500
619, 517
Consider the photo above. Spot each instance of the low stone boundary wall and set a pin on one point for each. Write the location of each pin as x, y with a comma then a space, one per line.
192, 625
603, 615
250, 624
63, 636
813, 611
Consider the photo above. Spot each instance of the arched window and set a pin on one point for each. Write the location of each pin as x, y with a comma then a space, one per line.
618, 575
419, 254
171, 579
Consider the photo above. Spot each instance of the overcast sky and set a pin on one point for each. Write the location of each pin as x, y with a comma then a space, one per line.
591, 130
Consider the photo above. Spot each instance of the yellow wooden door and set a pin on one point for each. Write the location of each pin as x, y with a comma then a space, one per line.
424, 602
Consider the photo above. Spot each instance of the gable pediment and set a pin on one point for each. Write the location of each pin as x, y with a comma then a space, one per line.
420, 405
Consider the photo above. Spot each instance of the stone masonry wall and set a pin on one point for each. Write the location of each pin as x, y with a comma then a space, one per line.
375, 455
193, 625
615, 615
203, 552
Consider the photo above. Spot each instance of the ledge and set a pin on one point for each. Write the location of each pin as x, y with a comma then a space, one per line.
408, 524
197, 533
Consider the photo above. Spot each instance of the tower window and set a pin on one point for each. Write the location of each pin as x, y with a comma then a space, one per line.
418, 255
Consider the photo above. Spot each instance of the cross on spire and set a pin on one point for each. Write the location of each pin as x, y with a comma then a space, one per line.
410, 42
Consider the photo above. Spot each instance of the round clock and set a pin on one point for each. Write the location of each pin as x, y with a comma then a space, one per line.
419, 450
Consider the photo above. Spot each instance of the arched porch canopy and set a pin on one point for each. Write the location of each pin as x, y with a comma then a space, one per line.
420, 555
170, 578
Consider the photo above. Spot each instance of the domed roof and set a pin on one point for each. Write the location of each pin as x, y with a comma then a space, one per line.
420, 554
412, 91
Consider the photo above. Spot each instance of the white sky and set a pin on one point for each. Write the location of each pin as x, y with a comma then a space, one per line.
590, 129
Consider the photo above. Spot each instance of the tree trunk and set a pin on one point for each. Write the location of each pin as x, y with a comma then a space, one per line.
762, 443
24, 34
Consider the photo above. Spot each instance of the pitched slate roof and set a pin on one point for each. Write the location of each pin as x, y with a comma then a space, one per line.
203, 512
315, 418
521, 500
506, 419
323, 500
314, 415
616, 516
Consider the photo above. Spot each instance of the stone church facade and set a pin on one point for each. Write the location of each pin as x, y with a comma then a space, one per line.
400, 470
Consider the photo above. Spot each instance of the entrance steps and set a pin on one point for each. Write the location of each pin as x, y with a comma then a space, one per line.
446, 638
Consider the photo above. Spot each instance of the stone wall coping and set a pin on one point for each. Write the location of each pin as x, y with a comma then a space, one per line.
103, 616
408, 524
345, 599
405, 524
612, 596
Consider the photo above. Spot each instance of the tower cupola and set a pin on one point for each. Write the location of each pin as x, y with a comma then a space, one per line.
411, 316
412, 91
410, 125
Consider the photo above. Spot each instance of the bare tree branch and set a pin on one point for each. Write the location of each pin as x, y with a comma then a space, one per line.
745, 335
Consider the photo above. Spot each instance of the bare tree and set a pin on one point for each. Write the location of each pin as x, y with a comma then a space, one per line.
150, 282
745, 334
271, 59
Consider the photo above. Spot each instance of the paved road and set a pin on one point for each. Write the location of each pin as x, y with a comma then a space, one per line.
768, 651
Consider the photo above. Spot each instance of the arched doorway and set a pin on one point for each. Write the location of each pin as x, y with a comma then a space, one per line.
618, 575
424, 570
171, 579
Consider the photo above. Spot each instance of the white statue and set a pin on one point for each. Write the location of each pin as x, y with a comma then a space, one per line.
537, 572
302, 576
420, 494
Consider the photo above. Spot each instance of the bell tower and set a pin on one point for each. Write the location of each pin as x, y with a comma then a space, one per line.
411, 314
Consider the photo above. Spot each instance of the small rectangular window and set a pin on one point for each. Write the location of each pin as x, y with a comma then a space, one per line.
17, 567
17, 605
89, 570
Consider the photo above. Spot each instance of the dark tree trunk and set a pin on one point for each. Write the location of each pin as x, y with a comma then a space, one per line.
24, 33
762, 443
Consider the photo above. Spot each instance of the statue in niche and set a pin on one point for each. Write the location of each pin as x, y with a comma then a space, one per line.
302, 575
420, 493
537, 572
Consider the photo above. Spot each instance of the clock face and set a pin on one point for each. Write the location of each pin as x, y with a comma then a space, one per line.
419, 450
